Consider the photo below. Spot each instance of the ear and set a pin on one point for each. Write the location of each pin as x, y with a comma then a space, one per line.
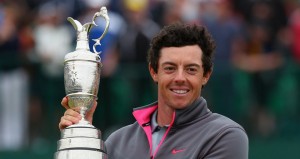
153, 73
206, 78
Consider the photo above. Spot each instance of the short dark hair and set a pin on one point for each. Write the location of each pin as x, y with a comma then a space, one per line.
178, 35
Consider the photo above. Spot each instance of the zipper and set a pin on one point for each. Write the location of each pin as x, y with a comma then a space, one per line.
164, 137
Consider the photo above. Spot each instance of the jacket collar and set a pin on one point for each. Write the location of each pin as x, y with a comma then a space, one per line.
196, 110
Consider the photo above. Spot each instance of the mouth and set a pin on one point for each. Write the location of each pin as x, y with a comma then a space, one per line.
180, 91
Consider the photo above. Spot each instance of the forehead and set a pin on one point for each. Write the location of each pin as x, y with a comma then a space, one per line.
190, 54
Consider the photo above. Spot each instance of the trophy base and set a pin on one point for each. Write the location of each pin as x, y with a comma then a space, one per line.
80, 154
81, 141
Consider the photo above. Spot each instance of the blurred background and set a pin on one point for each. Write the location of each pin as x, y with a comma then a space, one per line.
256, 78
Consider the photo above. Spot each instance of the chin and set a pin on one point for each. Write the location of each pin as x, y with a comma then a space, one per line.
180, 105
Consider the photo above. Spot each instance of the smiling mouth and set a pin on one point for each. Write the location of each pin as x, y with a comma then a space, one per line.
179, 91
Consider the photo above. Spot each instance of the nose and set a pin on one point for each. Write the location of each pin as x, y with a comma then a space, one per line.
180, 77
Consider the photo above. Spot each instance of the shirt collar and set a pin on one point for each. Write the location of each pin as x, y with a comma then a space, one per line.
154, 125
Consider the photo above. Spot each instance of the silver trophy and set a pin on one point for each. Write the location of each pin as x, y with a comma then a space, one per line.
82, 76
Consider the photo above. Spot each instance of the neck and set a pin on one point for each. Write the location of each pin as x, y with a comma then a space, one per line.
164, 116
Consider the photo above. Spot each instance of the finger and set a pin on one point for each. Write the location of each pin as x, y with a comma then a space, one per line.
64, 103
64, 123
72, 119
67, 120
72, 113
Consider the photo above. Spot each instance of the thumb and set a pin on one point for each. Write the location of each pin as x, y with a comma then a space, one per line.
64, 103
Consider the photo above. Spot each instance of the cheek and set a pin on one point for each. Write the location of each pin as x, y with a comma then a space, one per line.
162, 78
197, 84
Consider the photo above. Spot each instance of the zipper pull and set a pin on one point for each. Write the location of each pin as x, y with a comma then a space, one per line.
146, 124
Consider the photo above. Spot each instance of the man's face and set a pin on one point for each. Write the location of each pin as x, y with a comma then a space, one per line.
179, 76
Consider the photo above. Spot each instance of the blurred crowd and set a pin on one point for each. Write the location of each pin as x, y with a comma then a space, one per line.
256, 74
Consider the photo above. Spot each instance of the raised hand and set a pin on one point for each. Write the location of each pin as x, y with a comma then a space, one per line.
72, 116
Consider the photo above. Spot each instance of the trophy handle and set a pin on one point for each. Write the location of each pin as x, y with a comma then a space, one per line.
103, 14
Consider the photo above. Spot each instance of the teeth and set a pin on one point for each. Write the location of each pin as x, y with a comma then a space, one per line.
180, 91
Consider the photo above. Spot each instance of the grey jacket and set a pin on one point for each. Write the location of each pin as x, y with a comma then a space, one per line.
195, 133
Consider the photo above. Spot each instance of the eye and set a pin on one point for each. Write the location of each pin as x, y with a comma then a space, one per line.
169, 69
192, 70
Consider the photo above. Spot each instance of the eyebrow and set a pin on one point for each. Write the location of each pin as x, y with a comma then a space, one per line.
168, 63
191, 65
188, 65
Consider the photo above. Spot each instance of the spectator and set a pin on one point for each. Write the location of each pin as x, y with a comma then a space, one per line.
53, 40
226, 28
14, 82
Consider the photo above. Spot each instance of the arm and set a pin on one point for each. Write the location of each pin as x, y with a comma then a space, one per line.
72, 117
232, 143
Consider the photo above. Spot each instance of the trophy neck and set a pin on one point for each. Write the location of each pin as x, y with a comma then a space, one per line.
83, 123
82, 41
83, 113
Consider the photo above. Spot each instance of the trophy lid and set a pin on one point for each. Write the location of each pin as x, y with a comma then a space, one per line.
82, 47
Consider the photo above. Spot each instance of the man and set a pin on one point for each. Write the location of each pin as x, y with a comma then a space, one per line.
179, 125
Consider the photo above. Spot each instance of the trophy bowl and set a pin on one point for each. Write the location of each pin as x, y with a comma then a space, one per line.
82, 75
81, 102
